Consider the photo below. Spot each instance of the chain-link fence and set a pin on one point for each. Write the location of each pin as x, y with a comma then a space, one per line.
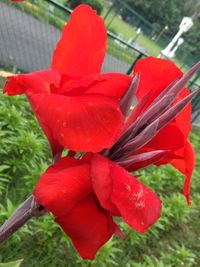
30, 30
122, 19
26, 41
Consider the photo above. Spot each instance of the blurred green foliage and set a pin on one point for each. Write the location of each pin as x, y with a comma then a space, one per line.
12, 264
158, 14
24, 154
96, 4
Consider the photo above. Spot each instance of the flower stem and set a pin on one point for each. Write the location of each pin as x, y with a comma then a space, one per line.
28, 209
23, 214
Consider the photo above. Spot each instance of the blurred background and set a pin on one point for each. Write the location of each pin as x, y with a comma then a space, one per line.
136, 28
29, 31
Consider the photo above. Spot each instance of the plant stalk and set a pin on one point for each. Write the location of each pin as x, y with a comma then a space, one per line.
21, 216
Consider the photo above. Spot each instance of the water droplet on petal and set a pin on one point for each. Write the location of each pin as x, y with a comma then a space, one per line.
88, 140
128, 188
90, 104
58, 108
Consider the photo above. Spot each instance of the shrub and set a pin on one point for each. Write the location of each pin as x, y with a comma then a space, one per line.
96, 4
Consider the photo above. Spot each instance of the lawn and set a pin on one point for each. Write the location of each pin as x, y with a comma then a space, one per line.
57, 17
127, 32
24, 154
121, 28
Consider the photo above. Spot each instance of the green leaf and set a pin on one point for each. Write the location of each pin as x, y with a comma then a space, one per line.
3, 167
12, 263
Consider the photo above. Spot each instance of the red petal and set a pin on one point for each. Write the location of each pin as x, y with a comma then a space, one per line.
138, 205
56, 147
102, 182
182, 158
113, 84
63, 185
168, 138
81, 123
183, 120
155, 75
76, 85
82, 46
35, 82
88, 226
186, 166
109, 84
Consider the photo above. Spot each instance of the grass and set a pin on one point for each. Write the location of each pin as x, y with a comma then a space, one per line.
117, 25
40, 10
24, 154
120, 52
126, 31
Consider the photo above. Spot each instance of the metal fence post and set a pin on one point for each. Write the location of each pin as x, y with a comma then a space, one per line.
132, 65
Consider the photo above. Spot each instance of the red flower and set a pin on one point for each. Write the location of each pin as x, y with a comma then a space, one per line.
85, 193
76, 106
83, 110
174, 136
